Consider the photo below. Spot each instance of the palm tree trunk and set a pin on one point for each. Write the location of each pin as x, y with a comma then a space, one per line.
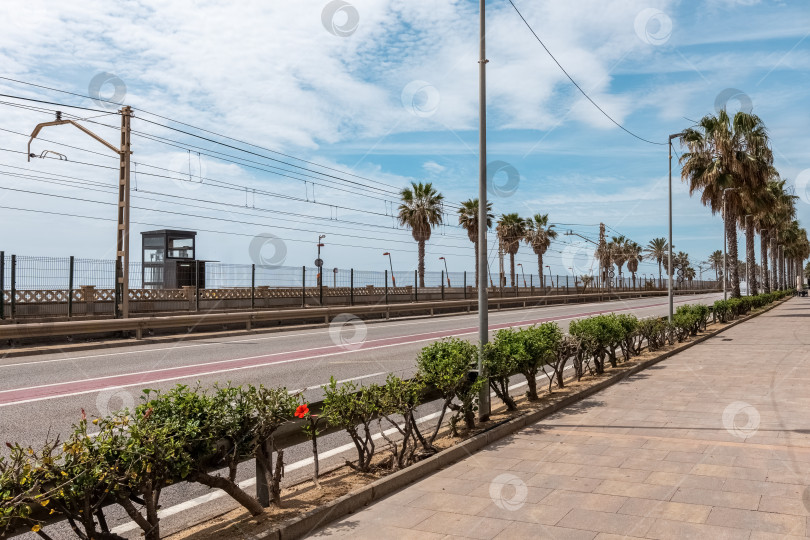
733, 254
750, 257
476, 263
763, 247
660, 278
512, 268
422, 263
775, 284
540, 269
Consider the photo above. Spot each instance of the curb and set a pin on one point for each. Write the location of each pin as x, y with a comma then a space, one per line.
308, 522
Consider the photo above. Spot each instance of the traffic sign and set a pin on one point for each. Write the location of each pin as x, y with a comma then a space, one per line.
318, 262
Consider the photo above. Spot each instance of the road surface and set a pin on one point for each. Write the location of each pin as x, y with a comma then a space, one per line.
45, 393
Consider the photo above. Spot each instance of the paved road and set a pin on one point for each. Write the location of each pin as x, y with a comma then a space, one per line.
45, 393
712, 443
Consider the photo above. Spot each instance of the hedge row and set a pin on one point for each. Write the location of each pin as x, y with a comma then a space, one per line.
185, 433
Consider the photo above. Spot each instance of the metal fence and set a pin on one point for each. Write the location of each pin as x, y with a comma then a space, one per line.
58, 286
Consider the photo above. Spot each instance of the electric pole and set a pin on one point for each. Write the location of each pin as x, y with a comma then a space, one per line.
122, 225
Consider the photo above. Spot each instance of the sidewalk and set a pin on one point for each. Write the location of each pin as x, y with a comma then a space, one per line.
711, 443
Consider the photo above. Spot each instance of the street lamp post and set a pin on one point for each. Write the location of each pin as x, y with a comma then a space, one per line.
391, 265
549, 276
669, 259
522, 273
446, 271
483, 310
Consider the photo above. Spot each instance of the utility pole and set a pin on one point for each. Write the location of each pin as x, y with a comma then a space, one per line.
604, 257
483, 315
122, 226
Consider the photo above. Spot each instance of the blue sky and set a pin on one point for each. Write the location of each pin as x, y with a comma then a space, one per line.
387, 91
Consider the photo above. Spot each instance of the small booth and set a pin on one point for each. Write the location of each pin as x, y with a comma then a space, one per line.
169, 260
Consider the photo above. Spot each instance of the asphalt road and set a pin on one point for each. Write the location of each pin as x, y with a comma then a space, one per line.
44, 394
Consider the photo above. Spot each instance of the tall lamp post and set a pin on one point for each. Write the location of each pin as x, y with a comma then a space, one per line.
522, 273
549, 276
319, 264
446, 271
725, 241
483, 318
391, 266
669, 258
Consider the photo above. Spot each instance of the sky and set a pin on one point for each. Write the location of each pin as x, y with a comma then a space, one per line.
341, 104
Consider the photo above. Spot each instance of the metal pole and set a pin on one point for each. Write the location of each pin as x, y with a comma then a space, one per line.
70, 288
196, 285
415, 285
303, 286
13, 286
252, 286
386, 286
2, 285
351, 287
442, 284
483, 318
465, 284
669, 255
531, 284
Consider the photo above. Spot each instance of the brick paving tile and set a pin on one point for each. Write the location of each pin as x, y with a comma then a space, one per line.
759, 521
651, 457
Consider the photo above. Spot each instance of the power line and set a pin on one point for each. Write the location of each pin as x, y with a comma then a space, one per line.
575, 83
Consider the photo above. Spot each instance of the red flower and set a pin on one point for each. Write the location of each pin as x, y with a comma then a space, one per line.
302, 411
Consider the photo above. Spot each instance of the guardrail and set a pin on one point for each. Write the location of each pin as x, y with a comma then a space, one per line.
139, 325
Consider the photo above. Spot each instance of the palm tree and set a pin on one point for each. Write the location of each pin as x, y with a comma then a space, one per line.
511, 230
689, 274
588, 279
468, 219
618, 255
633, 251
539, 235
716, 262
725, 153
657, 249
781, 210
421, 210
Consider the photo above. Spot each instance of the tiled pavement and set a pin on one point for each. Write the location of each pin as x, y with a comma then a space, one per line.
712, 443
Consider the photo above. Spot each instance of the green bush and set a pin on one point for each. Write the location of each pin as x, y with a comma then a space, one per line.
501, 359
401, 397
445, 365
541, 344
353, 410
654, 331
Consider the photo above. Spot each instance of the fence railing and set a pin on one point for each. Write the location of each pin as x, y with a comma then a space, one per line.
67, 287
